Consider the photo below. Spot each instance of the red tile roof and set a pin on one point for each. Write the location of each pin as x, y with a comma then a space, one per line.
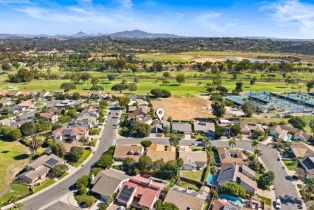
146, 190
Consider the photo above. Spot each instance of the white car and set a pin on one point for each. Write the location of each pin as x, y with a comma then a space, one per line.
278, 204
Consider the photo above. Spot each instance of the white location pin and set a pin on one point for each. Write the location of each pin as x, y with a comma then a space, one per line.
160, 113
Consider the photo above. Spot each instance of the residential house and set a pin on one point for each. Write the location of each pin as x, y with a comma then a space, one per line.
12, 93
161, 152
185, 199
90, 111
39, 168
108, 182
301, 149
193, 160
238, 173
160, 126
26, 93
67, 146
3, 93
70, 134
48, 95
6, 101
287, 133
301, 135
125, 151
222, 204
182, 127
66, 103
228, 156
141, 103
140, 115
308, 164
132, 108
86, 121
249, 128
49, 117
140, 192
204, 127
24, 106
224, 123
9, 122
86, 95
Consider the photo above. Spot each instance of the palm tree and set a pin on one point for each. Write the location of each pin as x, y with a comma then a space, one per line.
254, 144
232, 143
35, 143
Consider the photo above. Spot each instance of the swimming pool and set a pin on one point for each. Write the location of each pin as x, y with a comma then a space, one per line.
287, 138
231, 198
212, 179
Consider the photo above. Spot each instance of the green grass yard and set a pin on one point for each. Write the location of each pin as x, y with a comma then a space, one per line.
13, 157
290, 164
85, 155
17, 191
193, 175
44, 185
267, 201
189, 186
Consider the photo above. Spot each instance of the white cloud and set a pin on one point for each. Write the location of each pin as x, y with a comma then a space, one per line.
81, 10
15, 1
294, 13
126, 3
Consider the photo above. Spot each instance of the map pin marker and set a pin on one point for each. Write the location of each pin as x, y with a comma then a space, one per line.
160, 113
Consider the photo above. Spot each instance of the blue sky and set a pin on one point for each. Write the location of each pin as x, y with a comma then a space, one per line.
277, 18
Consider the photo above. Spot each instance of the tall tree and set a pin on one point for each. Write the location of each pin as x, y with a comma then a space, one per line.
180, 78
35, 143
218, 109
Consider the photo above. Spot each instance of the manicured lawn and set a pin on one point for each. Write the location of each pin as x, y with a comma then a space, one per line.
44, 185
264, 120
85, 155
267, 201
194, 84
188, 186
17, 191
290, 164
13, 156
194, 175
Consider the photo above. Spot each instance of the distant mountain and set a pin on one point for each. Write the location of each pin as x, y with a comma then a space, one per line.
79, 34
142, 35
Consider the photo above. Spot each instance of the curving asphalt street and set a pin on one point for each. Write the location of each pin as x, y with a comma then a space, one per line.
284, 189
107, 139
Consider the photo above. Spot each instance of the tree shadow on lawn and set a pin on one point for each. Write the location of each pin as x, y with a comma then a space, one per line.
5, 152
174, 84
21, 157
281, 87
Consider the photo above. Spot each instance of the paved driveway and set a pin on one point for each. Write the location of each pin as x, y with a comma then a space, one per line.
59, 190
285, 190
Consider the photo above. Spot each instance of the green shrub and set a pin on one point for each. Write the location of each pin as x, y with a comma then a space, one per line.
85, 200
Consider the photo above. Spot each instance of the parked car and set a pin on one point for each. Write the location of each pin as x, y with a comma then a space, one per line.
278, 204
